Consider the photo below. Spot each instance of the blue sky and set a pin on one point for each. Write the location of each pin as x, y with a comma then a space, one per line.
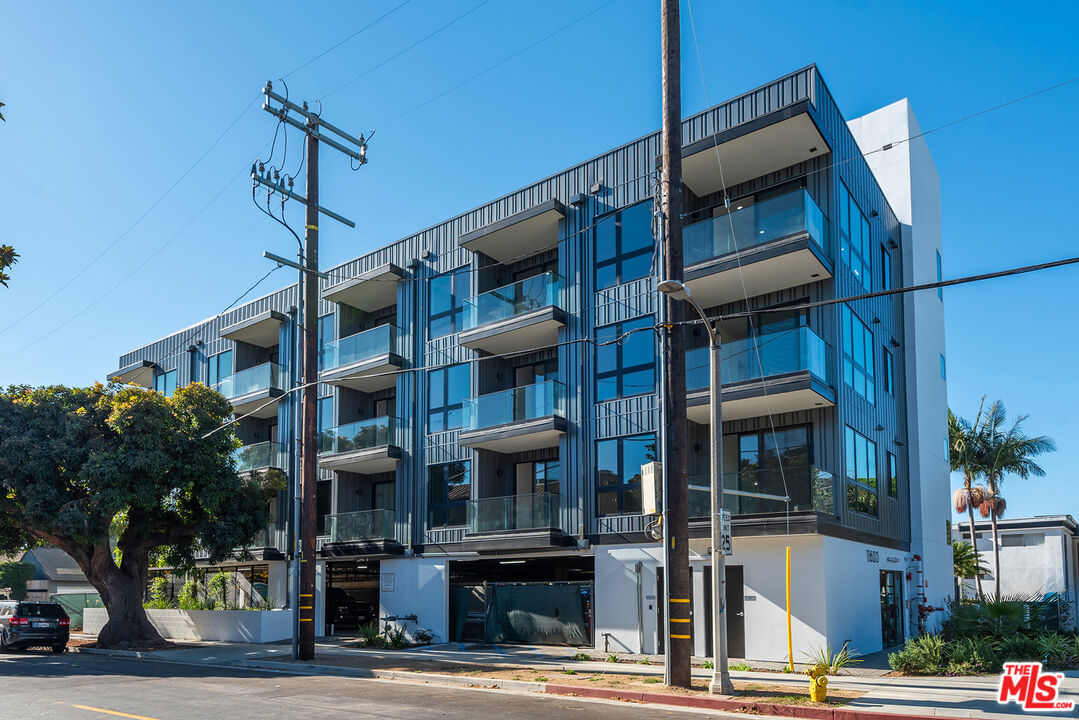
108, 105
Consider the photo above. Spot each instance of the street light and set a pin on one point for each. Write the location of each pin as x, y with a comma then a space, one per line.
721, 678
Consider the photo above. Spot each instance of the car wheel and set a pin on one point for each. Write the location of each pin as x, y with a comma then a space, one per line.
59, 648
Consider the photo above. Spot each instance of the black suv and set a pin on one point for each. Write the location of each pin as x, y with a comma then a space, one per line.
28, 624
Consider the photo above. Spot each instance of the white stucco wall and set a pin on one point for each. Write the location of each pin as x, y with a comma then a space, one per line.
420, 587
910, 182
247, 626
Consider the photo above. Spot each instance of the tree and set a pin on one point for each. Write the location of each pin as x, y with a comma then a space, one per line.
1006, 452
74, 459
963, 457
965, 562
8, 257
14, 576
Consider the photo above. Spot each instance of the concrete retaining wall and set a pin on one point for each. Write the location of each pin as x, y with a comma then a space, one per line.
250, 626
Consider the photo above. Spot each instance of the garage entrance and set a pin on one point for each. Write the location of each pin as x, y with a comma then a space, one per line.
539, 601
351, 595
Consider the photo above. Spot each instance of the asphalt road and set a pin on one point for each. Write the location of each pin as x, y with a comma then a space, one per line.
35, 684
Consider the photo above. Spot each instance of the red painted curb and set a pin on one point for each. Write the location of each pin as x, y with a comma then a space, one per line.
713, 703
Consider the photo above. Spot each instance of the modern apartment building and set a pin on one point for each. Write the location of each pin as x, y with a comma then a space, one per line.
488, 394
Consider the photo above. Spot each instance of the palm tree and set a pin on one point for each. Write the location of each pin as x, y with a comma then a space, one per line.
965, 563
1010, 452
963, 447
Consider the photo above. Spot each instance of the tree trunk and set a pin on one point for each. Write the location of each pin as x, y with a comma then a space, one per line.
121, 589
996, 554
974, 544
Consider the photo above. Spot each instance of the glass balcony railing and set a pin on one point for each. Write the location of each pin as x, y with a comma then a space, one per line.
359, 347
514, 405
261, 455
267, 376
516, 512
363, 525
808, 487
359, 435
510, 301
274, 536
787, 351
753, 225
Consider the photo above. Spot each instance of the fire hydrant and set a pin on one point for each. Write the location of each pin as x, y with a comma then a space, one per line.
818, 688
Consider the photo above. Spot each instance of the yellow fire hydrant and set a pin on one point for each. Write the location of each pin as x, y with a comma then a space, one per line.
818, 688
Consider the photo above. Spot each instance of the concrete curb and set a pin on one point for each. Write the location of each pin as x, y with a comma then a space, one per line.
755, 708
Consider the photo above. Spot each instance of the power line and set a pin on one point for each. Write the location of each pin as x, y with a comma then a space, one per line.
489, 68
342, 42
399, 53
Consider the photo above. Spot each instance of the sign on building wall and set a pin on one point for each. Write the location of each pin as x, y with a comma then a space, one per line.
388, 580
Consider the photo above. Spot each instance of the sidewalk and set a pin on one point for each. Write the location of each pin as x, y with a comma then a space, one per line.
539, 670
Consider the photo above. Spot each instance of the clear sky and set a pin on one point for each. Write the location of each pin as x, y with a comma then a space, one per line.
108, 104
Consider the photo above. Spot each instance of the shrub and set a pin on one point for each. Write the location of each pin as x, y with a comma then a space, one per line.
217, 591
973, 656
1019, 648
612, 658
581, 656
742, 667
1054, 649
369, 634
423, 636
925, 655
569, 671
822, 661
396, 639
708, 664
159, 596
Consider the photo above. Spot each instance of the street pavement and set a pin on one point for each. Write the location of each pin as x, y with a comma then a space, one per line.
84, 686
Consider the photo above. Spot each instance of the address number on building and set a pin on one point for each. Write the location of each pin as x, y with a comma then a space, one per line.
726, 545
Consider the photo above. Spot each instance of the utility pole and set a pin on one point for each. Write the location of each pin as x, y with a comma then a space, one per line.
676, 548
312, 125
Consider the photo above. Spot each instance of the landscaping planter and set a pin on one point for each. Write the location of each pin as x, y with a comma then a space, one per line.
250, 626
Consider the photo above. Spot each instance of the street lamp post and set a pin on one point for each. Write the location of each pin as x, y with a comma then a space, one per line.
721, 678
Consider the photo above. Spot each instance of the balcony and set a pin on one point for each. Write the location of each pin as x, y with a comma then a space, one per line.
809, 489
367, 532
370, 291
365, 361
525, 233
262, 330
517, 317
269, 544
515, 420
367, 446
261, 456
780, 372
514, 522
140, 373
777, 243
250, 390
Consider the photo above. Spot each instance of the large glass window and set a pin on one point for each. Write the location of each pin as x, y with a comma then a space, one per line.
624, 245
618, 473
626, 367
857, 355
327, 333
448, 293
220, 367
889, 372
324, 414
854, 239
861, 472
165, 383
449, 487
885, 269
893, 476
541, 476
447, 389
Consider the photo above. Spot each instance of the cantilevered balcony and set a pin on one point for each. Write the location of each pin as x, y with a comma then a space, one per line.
807, 486
262, 330
771, 245
366, 532
367, 446
250, 390
514, 522
517, 317
261, 456
515, 420
270, 544
775, 373
365, 361
525, 233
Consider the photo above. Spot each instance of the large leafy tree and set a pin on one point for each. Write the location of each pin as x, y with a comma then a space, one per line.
15, 576
74, 460
963, 447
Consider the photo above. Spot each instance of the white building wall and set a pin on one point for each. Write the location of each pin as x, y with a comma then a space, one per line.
420, 587
617, 597
910, 182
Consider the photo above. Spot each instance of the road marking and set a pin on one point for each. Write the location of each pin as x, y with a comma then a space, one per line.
106, 712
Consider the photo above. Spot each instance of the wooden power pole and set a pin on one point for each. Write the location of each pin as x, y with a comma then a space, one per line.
312, 126
680, 607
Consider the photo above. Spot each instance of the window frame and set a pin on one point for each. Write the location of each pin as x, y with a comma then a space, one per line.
889, 371
621, 489
163, 380
620, 371
621, 257
886, 270
444, 377
849, 250
457, 296
853, 366
443, 504
893, 476
213, 367
867, 504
